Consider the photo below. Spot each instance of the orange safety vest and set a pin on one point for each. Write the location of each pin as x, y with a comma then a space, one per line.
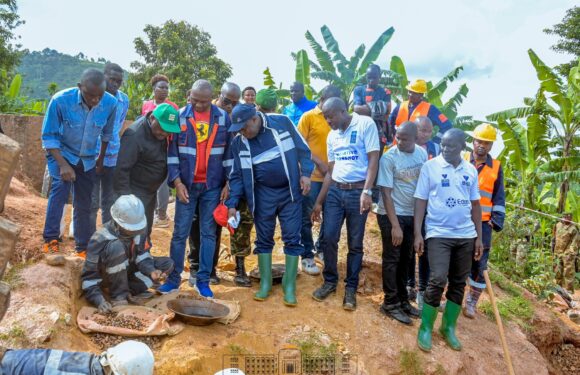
486, 181
422, 109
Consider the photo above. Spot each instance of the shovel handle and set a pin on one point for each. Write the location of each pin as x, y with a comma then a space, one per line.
506, 352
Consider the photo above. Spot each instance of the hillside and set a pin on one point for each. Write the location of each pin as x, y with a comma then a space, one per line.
40, 68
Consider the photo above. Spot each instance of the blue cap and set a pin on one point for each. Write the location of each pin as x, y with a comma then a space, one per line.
240, 114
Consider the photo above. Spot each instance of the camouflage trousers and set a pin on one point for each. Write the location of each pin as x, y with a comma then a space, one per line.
565, 267
240, 241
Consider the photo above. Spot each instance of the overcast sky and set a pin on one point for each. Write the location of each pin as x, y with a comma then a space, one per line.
489, 38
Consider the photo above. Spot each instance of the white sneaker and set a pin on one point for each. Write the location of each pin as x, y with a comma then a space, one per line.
310, 267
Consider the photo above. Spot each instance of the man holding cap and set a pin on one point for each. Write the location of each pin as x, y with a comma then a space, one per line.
271, 169
142, 163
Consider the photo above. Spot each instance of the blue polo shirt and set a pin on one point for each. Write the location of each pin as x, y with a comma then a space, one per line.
364, 94
295, 110
70, 126
267, 161
449, 192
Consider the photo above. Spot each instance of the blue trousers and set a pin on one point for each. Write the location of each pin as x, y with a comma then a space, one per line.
207, 200
103, 197
341, 205
306, 232
82, 189
476, 278
272, 203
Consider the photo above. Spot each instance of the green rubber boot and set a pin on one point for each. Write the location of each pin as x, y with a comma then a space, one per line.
428, 317
289, 281
265, 266
449, 323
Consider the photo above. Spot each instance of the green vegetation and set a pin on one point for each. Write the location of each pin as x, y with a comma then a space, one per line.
517, 309
312, 345
16, 332
236, 349
411, 362
48, 71
569, 43
13, 277
9, 20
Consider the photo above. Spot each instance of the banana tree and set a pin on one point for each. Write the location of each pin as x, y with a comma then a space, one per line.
12, 100
335, 68
555, 110
282, 94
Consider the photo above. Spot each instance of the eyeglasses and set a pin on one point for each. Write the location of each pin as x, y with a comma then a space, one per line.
226, 101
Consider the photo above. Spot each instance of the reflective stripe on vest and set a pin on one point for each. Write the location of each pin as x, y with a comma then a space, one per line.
486, 180
422, 109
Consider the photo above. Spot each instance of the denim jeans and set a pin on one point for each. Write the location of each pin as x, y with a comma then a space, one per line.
82, 189
194, 244
162, 200
341, 205
272, 203
396, 259
306, 232
207, 200
103, 197
450, 262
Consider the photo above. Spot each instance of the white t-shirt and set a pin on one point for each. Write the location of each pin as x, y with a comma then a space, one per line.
449, 192
348, 150
400, 171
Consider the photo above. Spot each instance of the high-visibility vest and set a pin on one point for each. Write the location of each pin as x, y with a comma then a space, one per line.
422, 109
486, 180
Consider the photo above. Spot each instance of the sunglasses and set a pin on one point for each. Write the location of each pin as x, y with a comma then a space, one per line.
226, 101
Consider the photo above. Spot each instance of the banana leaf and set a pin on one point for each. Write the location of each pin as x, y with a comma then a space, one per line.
323, 57
375, 50
303, 72
14, 89
332, 45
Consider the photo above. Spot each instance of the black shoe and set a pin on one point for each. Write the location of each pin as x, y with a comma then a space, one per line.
324, 291
412, 293
410, 310
396, 312
241, 278
349, 301
214, 279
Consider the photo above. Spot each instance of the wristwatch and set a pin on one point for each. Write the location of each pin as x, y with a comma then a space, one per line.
368, 192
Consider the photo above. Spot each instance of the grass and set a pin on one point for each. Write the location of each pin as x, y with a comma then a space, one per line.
440, 370
16, 332
505, 284
312, 346
13, 277
517, 309
236, 349
411, 363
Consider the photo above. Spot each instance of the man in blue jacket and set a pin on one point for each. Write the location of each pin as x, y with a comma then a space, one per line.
271, 168
300, 103
197, 169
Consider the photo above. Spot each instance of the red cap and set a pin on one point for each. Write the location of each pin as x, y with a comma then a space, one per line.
220, 215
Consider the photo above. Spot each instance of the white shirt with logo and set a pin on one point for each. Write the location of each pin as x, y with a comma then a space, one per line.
449, 192
348, 150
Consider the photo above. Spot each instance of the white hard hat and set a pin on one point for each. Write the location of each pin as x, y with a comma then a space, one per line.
129, 358
230, 371
129, 213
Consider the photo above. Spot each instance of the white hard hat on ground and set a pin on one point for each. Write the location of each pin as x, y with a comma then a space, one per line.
230, 371
129, 213
129, 358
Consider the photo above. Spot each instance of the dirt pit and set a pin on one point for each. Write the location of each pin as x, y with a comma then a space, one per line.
566, 359
265, 331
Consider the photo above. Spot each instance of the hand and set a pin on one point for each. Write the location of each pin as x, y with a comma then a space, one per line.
365, 203
225, 193
419, 244
305, 185
105, 307
156, 275
232, 212
478, 249
315, 215
397, 235
100, 168
181, 192
67, 173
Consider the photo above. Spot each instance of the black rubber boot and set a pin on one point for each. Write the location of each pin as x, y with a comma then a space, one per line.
241, 278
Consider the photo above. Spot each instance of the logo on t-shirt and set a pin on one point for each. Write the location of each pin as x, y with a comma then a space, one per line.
444, 180
353, 137
465, 181
450, 202
201, 131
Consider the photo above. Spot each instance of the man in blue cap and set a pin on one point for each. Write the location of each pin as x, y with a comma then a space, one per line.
271, 168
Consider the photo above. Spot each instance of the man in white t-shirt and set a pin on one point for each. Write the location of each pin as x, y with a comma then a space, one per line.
353, 154
448, 188
399, 171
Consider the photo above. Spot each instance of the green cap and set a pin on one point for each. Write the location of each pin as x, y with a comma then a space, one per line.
267, 99
168, 118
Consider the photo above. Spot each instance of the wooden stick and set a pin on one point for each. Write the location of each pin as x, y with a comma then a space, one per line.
506, 352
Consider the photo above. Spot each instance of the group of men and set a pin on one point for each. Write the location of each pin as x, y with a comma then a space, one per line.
243, 165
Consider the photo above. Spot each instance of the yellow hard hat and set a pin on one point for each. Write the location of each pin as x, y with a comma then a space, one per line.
485, 132
418, 86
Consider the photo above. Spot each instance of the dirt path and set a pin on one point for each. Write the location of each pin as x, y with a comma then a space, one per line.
375, 342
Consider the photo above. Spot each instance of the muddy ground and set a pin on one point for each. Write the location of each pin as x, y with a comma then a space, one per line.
45, 301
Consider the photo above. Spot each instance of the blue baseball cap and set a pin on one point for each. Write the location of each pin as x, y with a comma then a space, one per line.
240, 115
